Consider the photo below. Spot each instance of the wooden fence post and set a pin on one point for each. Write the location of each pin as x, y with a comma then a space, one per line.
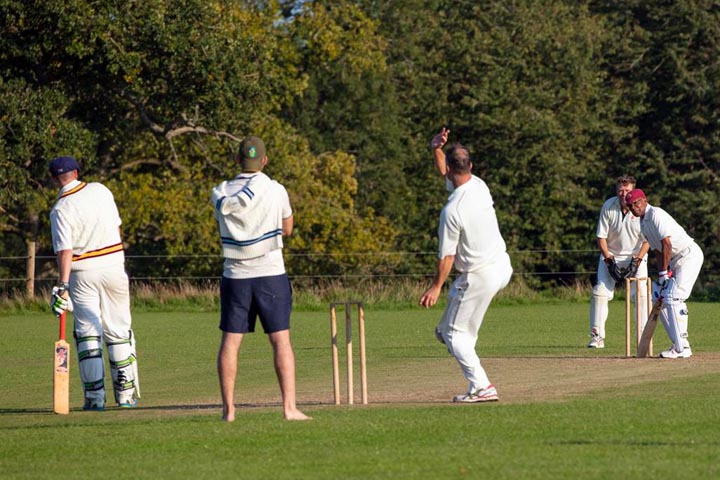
30, 285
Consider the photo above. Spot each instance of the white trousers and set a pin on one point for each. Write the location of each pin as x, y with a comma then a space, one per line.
101, 301
604, 289
468, 300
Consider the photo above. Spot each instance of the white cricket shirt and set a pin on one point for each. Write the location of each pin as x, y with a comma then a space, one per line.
85, 220
622, 232
658, 224
469, 228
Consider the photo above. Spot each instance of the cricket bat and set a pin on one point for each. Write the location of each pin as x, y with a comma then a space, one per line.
649, 330
61, 372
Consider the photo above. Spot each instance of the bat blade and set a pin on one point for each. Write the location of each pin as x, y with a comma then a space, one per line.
649, 330
61, 372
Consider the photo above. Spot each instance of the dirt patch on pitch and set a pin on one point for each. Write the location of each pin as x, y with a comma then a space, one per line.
407, 380
535, 379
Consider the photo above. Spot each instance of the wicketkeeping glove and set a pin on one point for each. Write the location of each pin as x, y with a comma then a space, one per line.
632, 268
59, 300
613, 269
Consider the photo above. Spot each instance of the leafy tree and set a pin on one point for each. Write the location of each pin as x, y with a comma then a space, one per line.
151, 96
524, 86
672, 59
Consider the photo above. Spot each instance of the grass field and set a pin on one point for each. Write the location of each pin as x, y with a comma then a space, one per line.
565, 411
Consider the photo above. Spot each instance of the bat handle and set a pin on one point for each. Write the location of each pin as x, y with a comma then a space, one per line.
62, 326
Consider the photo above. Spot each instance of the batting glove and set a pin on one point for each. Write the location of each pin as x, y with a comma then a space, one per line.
664, 277
59, 300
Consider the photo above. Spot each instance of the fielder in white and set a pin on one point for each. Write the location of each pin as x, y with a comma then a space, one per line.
93, 284
679, 262
470, 240
623, 254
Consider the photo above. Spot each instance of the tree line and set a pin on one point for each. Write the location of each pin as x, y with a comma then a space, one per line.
553, 99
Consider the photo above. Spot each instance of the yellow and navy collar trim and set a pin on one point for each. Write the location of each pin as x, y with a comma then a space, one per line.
75, 189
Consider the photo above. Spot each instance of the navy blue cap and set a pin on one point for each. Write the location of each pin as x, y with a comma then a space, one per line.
62, 165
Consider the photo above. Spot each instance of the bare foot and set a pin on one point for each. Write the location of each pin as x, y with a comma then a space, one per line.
228, 414
296, 415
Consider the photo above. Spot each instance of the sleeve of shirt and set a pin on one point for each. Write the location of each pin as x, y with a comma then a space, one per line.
116, 212
241, 201
448, 234
285, 204
603, 226
60, 231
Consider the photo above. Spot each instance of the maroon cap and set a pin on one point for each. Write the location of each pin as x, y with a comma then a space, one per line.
634, 195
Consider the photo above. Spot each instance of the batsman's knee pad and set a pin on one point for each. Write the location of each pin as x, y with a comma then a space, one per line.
91, 365
123, 368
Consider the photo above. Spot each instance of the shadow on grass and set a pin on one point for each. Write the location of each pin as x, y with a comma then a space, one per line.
199, 407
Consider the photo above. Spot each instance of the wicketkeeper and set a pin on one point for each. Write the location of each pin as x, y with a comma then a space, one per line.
623, 254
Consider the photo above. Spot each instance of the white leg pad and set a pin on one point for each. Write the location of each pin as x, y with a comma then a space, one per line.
598, 314
91, 366
122, 367
670, 315
682, 320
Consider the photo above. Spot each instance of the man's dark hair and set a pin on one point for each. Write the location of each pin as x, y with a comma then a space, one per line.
457, 158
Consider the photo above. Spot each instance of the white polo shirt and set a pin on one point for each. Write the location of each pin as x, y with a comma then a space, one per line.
469, 228
622, 232
658, 224
85, 220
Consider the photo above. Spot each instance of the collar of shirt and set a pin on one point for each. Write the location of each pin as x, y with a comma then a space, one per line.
69, 186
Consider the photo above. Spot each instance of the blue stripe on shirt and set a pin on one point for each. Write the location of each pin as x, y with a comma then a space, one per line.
246, 190
253, 241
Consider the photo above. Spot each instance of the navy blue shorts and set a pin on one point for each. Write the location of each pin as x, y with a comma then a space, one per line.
243, 300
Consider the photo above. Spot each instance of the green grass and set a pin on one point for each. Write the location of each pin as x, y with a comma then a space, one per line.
648, 418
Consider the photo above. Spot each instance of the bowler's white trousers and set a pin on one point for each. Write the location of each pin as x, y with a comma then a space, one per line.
468, 300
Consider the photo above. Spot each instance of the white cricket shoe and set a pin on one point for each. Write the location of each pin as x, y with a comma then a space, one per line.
596, 342
488, 394
672, 353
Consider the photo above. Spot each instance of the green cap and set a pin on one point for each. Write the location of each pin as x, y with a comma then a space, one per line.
252, 152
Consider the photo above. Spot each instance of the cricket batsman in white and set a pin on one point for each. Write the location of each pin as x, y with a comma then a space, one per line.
85, 226
679, 262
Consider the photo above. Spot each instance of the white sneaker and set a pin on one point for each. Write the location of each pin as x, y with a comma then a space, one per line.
596, 342
488, 394
672, 353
